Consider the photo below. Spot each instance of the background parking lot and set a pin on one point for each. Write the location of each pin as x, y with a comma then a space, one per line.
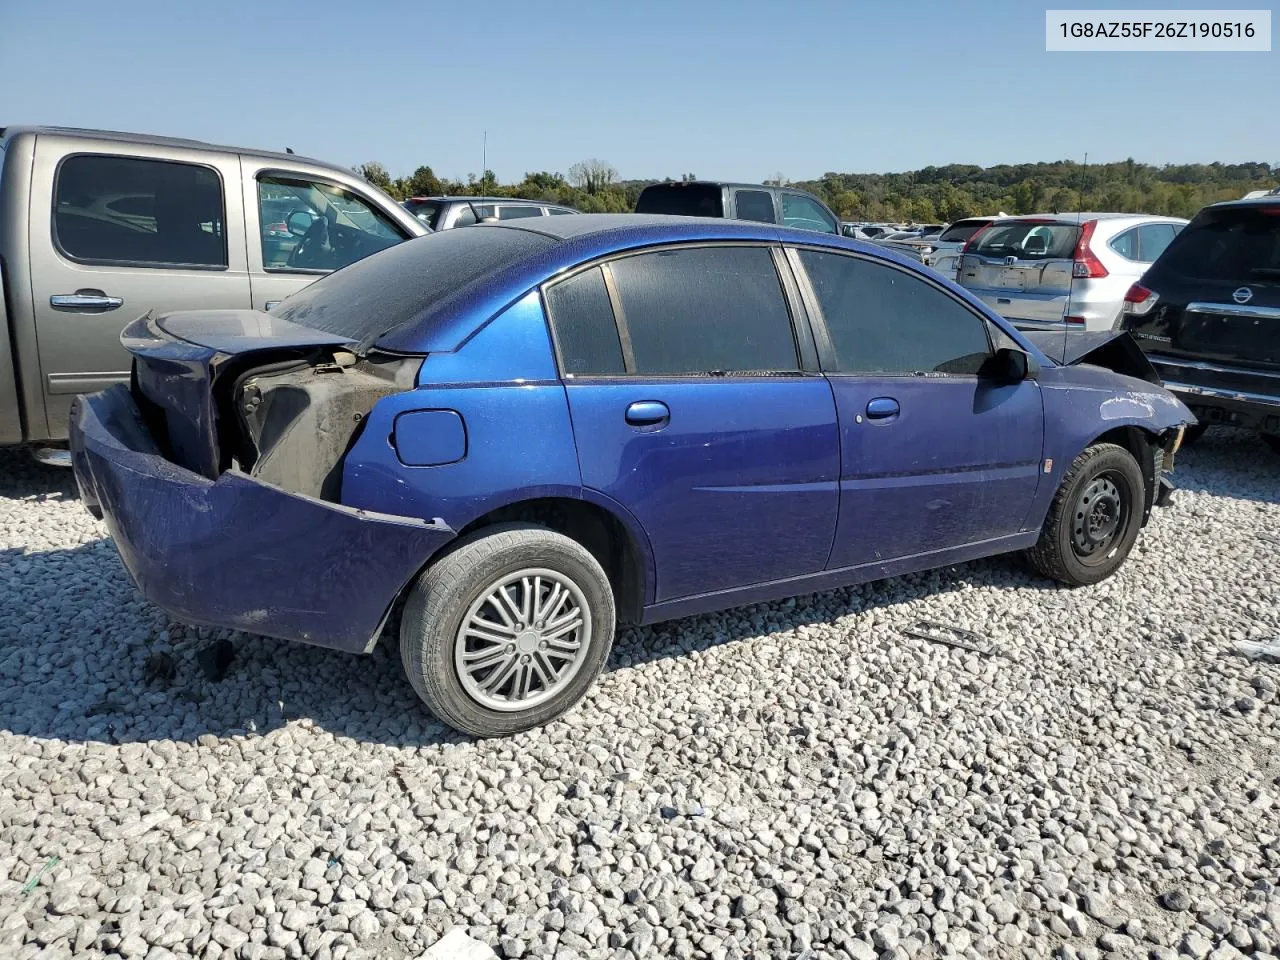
795, 776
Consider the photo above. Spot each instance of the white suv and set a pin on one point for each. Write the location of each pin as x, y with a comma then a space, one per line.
1063, 271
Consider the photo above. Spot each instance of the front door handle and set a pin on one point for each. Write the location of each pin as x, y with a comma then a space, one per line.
882, 408
647, 413
85, 300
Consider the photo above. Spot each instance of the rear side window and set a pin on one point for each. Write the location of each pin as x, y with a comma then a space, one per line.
687, 200
518, 212
1152, 240
1234, 245
705, 310
132, 211
428, 211
884, 320
583, 325
755, 205
1126, 244
1029, 240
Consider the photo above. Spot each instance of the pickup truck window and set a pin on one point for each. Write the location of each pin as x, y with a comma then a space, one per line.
127, 210
805, 213
310, 226
755, 205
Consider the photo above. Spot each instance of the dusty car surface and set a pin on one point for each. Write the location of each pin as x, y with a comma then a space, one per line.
532, 431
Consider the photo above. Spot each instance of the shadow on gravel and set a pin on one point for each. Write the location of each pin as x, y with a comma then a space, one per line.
84, 658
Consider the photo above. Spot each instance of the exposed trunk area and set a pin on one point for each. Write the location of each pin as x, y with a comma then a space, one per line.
290, 422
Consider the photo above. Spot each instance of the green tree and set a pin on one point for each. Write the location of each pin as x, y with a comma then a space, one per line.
424, 183
376, 174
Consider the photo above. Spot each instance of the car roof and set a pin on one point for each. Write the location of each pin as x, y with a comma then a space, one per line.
1270, 200
723, 183
443, 324
1074, 218
116, 136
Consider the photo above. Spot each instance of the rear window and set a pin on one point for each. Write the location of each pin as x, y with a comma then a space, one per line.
388, 290
961, 230
1233, 245
428, 211
677, 199
1029, 240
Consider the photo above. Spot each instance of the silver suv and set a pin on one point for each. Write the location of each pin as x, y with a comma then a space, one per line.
445, 213
1063, 271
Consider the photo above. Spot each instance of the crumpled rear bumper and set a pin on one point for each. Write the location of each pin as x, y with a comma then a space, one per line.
235, 552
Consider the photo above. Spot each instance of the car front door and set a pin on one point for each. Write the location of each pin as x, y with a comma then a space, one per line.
134, 228
692, 410
934, 454
301, 227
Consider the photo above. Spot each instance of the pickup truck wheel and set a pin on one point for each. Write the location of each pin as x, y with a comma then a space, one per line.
1272, 440
507, 631
1094, 519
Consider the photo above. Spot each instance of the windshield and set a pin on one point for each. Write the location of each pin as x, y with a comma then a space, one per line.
388, 290
692, 200
1029, 240
1234, 245
428, 211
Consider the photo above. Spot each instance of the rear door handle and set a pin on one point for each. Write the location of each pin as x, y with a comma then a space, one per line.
85, 300
647, 413
882, 408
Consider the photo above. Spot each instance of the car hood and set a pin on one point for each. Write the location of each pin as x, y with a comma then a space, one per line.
1111, 349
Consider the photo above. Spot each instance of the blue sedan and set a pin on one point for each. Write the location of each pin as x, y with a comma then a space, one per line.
531, 431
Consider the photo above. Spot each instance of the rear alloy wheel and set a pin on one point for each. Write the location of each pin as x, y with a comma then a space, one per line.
1094, 519
507, 631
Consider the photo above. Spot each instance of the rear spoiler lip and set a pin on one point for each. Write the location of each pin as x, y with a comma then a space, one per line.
1115, 350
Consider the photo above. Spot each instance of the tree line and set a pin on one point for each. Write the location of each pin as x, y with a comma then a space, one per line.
933, 194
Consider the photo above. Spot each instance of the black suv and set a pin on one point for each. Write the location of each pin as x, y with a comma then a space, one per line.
1207, 314
739, 201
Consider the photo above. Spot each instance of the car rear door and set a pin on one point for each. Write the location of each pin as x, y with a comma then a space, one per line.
934, 456
133, 227
1021, 268
692, 409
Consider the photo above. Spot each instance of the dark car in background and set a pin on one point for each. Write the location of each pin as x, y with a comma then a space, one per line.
1207, 314
445, 213
739, 201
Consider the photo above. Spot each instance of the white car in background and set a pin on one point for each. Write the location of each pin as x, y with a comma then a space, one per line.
944, 253
1063, 271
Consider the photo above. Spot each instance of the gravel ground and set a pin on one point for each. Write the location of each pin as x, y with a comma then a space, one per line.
797, 779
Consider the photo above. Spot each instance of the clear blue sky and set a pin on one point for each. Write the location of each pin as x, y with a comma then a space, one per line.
735, 90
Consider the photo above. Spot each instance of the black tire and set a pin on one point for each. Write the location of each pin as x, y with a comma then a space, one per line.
1094, 519
448, 590
1193, 434
1272, 440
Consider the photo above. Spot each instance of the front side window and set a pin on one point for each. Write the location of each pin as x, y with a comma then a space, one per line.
128, 210
755, 205
308, 225
884, 320
705, 310
805, 213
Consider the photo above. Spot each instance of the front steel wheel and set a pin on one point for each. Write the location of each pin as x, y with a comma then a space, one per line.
508, 630
1094, 519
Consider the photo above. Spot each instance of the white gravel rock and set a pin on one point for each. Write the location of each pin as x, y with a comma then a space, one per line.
787, 777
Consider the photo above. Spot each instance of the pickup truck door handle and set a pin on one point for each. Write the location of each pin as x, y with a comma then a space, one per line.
882, 408
85, 300
647, 413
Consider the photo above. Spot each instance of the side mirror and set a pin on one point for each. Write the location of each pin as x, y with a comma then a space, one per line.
299, 222
1010, 365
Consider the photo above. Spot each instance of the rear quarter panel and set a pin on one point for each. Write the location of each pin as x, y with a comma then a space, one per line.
19, 362
504, 385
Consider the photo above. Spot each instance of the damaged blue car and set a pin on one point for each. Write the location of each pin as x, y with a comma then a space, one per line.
519, 435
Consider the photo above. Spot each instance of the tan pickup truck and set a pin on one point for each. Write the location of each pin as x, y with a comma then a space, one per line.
97, 228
